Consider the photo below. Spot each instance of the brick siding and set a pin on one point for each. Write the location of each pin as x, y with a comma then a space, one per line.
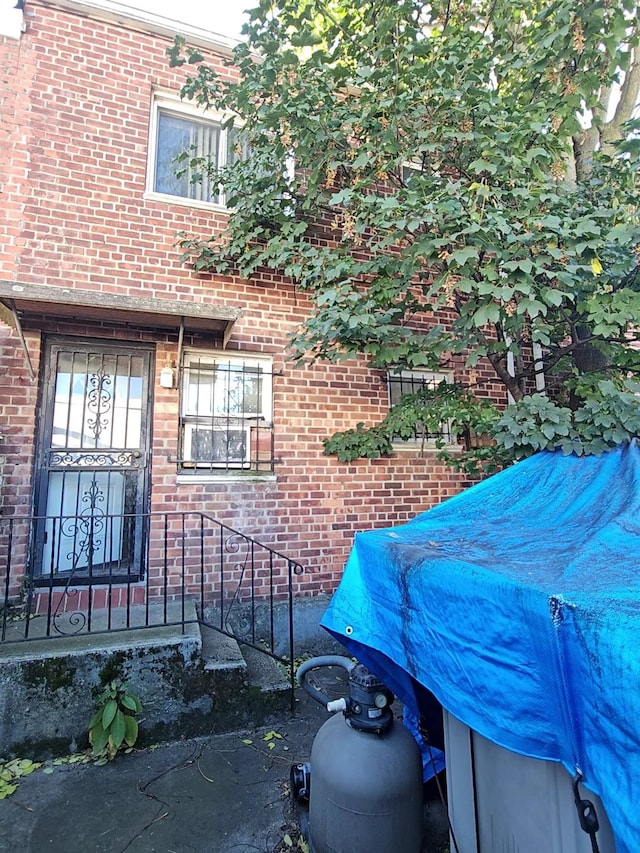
75, 99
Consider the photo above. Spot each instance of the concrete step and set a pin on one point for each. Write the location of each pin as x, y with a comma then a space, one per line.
220, 651
118, 629
250, 684
268, 689
264, 672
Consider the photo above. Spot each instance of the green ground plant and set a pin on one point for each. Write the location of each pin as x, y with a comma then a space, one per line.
114, 725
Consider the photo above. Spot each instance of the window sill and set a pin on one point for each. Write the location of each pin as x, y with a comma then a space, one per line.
427, 447
231, 477
182, 201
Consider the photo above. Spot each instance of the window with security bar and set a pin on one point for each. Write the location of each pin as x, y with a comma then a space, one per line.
412, 382
226, 417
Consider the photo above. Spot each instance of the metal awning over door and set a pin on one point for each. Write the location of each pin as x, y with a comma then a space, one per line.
183, 314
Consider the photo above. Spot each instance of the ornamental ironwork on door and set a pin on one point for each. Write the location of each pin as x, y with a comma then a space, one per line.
93, 454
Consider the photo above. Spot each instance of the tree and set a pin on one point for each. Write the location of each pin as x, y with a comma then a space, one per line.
478, 161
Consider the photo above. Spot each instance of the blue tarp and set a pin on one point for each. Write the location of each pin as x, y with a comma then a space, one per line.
517, 605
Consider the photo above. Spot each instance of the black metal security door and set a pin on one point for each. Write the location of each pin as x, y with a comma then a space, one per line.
93, 452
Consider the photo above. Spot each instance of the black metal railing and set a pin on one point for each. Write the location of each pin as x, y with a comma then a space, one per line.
68, 576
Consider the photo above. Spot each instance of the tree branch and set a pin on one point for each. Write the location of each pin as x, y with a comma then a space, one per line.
629, 94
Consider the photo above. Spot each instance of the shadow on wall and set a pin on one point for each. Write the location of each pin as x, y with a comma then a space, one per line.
310, 638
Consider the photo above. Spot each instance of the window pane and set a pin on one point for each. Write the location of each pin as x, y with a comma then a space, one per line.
410, 383
411, 174
219, 445
222, 390
235, 149
178, 135
173, 138
199, 390
237, 390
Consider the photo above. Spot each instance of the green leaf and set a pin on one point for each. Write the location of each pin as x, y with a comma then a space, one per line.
481, 165
531, 307
341, 198
6, 790
130, 730
486, 314
130, 702
109, 712
525, 265
462, 256
98, 738
26, 767
118, 729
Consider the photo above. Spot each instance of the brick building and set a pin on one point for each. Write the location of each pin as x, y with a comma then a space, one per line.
132, 388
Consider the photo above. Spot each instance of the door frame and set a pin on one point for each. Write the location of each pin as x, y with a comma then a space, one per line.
51, 345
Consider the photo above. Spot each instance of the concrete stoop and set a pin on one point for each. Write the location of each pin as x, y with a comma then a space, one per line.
191, 681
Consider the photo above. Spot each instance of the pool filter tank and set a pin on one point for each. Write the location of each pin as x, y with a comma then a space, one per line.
364, 783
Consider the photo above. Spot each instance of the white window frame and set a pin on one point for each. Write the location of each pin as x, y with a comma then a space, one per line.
410, 166
192, 420
423, 377
172, 105
416, 165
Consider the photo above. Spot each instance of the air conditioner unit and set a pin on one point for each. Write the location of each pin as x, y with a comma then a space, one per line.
218, 446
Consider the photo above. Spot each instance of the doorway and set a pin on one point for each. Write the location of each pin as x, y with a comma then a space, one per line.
93, 462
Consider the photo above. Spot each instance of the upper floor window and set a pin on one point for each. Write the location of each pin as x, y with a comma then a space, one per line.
226, 418
187, 150
410, 173
412, 382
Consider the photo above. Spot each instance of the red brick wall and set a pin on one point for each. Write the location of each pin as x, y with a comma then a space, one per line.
75, 102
